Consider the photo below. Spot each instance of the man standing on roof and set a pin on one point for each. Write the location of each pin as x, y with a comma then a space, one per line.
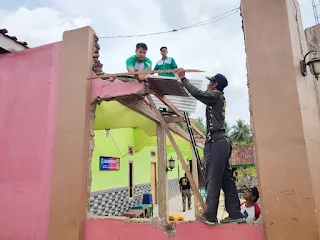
139, 62
217, 151
166, 63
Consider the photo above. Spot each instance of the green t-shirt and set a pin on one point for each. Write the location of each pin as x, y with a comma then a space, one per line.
133, 62
166, 64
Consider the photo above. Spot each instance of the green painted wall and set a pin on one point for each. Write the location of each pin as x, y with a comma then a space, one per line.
116, 145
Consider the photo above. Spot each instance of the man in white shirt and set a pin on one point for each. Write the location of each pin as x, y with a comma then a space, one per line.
250, 209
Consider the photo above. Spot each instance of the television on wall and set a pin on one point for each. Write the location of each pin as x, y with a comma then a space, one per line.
109, 163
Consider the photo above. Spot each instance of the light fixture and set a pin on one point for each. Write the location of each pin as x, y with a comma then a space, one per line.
107, 132
314, 65
171, 164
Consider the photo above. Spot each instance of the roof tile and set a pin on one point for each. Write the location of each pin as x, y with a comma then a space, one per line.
14, 38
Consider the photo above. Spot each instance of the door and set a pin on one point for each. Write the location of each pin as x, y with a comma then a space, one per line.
131, 186
154, 182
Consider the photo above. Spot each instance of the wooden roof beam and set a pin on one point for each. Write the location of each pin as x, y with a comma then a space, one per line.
145, 110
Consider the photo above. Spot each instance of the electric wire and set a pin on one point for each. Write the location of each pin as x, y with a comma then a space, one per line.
195, 25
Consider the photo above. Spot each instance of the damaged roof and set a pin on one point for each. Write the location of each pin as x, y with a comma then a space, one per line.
10, 43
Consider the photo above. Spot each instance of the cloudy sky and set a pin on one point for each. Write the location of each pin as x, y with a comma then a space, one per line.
216, 47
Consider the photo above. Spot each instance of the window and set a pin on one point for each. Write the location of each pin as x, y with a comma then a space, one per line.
131, 190
153, 153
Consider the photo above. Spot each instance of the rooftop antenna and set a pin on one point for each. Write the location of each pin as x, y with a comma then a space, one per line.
315, 5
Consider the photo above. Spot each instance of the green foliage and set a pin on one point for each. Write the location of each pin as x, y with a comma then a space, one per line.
241, 134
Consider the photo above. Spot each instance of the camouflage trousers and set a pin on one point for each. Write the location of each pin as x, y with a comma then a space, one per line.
186, 194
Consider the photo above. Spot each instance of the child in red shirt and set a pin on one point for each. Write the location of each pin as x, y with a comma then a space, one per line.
250, 209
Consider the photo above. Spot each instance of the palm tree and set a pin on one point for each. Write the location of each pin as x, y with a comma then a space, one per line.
241, 132
227, 127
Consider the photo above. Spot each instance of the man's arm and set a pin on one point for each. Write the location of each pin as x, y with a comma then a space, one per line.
129, 64
206, 97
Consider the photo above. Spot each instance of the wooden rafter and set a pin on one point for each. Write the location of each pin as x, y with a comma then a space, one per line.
173, 108
145, 110
175, 146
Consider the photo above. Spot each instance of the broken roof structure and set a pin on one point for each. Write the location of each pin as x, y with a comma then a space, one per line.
10, 43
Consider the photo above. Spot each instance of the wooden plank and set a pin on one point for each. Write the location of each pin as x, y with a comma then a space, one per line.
175, 146
173, 108
142, 108
141, 72
196, 180
173, 119
162, 173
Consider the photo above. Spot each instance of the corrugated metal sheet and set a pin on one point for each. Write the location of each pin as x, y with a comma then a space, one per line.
182, 103
167, 85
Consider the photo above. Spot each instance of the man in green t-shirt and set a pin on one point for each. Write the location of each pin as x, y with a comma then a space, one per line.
139, 62
217, 151
166, 63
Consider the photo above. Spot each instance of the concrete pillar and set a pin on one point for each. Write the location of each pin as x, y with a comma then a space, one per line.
286, 125
71, 153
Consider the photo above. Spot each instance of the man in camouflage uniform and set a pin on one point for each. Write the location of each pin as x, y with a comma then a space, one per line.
185, 190
217, 151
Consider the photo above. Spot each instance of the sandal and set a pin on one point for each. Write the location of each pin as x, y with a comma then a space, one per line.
232, 220
205, 221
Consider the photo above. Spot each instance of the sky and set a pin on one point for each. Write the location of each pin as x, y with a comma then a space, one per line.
215, 48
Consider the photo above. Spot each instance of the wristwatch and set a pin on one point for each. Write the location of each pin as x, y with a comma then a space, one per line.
184, 78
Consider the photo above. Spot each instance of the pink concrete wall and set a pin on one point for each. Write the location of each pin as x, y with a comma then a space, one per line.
119, 230
28, 87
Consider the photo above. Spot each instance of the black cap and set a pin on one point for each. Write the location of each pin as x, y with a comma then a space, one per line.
254, 191
163, 47
220, 79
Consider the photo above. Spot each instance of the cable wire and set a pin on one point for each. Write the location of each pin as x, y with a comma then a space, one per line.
198, 24
119, 148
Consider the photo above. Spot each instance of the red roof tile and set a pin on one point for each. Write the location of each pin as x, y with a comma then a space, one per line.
242, 155
4, 33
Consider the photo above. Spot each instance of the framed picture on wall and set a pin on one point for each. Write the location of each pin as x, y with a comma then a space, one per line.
109, 163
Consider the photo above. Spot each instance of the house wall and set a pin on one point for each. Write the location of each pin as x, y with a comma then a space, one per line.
115, 230
109, 189
28, 101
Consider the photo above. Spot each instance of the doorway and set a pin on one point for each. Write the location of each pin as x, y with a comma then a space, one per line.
154, 182
131, 185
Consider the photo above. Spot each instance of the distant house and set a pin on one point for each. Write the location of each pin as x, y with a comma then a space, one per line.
242, 156
243, 165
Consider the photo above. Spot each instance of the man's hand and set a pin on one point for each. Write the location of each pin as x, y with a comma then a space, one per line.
181, 73
142, 77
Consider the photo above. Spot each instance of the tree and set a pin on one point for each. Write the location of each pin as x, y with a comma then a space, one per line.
227, 127
241, 133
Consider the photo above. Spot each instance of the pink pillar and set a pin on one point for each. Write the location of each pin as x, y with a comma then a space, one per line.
285, 119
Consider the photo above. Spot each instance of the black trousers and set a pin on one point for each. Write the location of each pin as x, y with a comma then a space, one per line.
218, 174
